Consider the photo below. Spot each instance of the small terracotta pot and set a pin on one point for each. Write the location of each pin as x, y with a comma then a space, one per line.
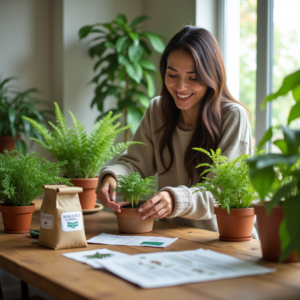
236, 226
268, 228
130, 220
17, 219
88, 197
7, 142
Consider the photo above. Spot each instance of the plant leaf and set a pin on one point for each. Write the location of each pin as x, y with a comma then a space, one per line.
121, 18
120, 43
85, 31
135, 52
294, 113
155, 41
146, 64
134, 117
150, 84
138, 20
267, 136
289, 83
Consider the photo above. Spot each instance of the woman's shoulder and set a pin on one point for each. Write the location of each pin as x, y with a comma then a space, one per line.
232, 110
155, 103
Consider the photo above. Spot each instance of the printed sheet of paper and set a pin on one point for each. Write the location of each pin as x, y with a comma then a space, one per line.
95, 258
153, 270
145, 241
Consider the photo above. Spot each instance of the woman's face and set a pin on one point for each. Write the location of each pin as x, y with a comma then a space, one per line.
181, 81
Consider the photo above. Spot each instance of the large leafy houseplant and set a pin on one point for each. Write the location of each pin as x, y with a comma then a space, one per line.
85, 153
15, 104
133, 187
231, 186
123, 69
276, 176
22, 177
233, 194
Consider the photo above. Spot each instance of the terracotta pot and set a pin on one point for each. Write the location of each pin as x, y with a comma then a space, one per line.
88, 197
7, 142
17, 219
130, 220
236, 226
268, 228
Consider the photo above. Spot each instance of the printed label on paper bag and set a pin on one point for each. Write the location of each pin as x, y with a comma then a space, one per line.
47, 221
71, 221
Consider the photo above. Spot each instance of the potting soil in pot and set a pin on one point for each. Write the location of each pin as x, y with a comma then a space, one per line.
62, 224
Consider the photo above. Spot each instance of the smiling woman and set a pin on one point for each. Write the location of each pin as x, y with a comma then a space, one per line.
195, 109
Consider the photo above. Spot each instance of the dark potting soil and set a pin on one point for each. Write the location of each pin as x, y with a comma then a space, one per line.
134, 205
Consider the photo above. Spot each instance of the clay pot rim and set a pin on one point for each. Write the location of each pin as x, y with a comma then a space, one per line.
248, 211
17, 209
84, 179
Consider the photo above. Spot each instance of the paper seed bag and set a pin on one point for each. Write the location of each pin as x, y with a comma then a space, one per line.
61, 218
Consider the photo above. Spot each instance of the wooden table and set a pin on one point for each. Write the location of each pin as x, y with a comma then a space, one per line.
70, 280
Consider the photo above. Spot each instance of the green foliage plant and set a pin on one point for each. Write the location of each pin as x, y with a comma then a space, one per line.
22, 177
14, 105
276, 176
85, 153
230, 186
123, 69
134, 187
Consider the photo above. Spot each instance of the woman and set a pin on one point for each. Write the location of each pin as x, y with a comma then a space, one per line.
195, 110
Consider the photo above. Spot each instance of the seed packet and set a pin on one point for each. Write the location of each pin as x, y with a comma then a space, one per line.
61, 225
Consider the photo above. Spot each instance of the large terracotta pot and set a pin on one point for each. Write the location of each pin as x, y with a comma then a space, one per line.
17, 219
236, 226
268, 228
130, 220
6, 142
88, 197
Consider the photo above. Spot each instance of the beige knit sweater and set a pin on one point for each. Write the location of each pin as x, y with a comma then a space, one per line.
191, 209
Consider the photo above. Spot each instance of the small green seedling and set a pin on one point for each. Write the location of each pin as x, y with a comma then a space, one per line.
134, 187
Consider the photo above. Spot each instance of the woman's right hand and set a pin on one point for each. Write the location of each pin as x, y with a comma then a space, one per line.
107, 195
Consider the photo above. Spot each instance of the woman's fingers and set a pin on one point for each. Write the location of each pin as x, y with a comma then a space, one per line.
158, 206
106, 195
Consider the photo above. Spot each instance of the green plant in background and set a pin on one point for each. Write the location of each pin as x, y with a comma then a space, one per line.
13, 106
22, 177
85, 154
277, 176
134, 187
230, 186
122, 65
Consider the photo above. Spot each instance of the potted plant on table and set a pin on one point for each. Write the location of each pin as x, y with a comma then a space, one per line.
276, 177
134, 187
123, 69
85, 153
13, 106
22, 177
233, 194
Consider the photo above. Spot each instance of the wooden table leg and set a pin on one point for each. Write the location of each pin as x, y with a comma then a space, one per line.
1, 295
24, 290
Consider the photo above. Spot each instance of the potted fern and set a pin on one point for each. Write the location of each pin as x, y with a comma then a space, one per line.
134, 187
85, 153
15, 104
123, 70
276, 177
22, 177
233, 194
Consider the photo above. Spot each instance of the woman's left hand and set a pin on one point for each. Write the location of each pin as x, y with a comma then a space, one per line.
159, 206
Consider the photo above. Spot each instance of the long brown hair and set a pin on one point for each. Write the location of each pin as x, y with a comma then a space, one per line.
210, 72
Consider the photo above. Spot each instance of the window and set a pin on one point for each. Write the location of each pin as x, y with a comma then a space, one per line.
266, 48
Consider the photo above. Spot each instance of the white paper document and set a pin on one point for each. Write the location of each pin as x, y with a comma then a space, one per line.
145, 241
95, 258
153, 270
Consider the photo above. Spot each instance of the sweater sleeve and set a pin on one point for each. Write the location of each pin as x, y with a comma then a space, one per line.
236, 140
139, 158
